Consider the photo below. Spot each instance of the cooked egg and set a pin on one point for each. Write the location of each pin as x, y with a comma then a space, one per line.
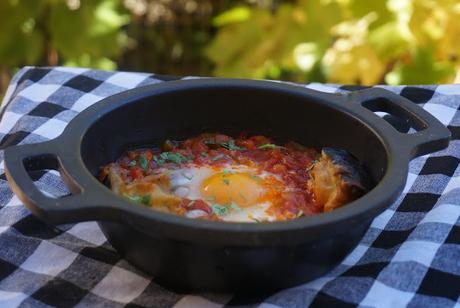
242, 193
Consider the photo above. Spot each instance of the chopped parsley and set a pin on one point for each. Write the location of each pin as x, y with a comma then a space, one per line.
143, 162
211, 199
172, 157
269, 146
226, 181
230, 145
145, 199
218, 156
227, 171
187, 177
235, 207
255, 177
204, 154
255, 219
220, 210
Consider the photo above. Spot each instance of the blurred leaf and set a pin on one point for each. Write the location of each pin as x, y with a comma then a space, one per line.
306, 55
423, 69
91, 31
390, 40
237, 14
263, 45
360, 8
355, 64
21, 42
86, 60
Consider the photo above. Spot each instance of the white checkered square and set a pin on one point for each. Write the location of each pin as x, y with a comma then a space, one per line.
192, 301
49, 259
126, 80
355, 255
382, 220
51, 128
9, 120
441, 112
454, 183
321, 87
73, 70
88, 231
418, 251
85, 101
120, 285
381, 295
11, 299
409, 182
443, 213
448, 89
39, 92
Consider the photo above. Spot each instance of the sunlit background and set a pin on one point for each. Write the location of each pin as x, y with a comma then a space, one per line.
338, 41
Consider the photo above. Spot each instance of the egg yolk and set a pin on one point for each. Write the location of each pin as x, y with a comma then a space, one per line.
241, 188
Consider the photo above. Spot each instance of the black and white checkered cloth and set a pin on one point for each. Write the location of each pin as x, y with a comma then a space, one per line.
410, 256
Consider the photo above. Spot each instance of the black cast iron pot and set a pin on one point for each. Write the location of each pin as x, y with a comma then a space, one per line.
205, 255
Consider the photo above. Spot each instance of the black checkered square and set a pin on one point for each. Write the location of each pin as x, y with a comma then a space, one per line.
83, 83
47, 110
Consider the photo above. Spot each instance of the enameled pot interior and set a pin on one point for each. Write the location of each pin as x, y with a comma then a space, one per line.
179, 114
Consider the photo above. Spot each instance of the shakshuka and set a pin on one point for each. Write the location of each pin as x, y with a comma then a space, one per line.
243, 179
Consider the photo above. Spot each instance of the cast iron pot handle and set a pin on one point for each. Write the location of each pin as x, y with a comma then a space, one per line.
81, 205
431, 135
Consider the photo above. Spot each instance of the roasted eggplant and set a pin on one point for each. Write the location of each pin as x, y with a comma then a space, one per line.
337, 178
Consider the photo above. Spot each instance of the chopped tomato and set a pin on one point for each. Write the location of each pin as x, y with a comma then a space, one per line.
200, 205
136, 173
199, 147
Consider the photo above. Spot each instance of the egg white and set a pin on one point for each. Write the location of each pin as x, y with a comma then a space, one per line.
186, 183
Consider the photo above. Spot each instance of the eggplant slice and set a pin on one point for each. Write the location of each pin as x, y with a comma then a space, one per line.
337, 178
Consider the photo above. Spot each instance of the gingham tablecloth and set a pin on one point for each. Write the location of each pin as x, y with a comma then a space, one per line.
409, 256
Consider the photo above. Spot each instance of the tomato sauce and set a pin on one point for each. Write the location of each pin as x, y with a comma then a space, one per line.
290, 162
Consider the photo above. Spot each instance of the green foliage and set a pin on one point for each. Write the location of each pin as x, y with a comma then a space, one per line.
90, 35
20, 42
423, 69
343, 41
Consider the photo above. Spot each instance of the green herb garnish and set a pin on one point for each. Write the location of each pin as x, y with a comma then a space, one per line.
145, 199
211, 199
235, 207
218, 156
227, 171
270, 146
188, 178
143, 162
172, 157
255, 177
300, 214
204, 154
226, 181
219, 209
230, 145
